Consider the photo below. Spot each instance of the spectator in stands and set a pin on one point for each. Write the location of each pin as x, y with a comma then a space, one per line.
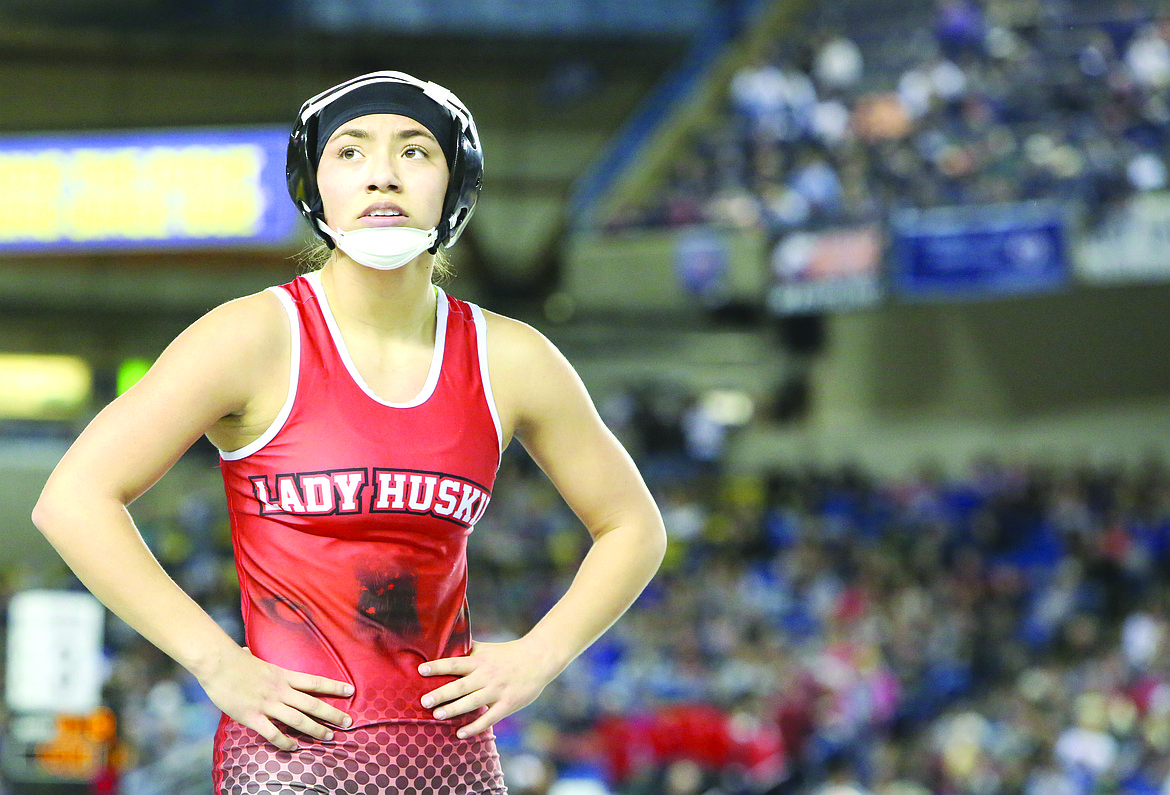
1148, 58
959, 28
838, 64
772, 103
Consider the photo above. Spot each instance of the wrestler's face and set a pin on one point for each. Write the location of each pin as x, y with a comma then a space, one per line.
382, 170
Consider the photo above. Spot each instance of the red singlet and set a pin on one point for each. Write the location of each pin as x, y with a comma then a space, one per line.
350, 519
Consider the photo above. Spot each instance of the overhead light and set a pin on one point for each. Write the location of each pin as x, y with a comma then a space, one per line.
43, 387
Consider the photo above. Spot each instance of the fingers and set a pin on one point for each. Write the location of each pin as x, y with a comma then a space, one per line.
265, 697
269, 732
297, 712
483, 722
292, 706
448, 692
295, 719
310, 683
461, 697
482, 683
448, 666
316, 708
463, 705
302, 684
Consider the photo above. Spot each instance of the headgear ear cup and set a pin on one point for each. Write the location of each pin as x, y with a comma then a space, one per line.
462, 192
466, 167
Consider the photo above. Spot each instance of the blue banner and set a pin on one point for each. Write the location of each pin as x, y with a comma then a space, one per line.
967, 252
172, 189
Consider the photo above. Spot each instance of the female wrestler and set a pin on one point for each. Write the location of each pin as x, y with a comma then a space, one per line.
360, 413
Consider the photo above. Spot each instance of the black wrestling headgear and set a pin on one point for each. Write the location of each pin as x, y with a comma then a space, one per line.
431, 105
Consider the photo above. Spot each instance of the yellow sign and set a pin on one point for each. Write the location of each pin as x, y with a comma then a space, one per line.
91, 194
143, 188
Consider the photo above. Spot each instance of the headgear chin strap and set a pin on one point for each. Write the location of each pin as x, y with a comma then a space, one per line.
403, 95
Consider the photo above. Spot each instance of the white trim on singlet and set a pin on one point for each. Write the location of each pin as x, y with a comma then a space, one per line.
294, 371
428, 388
481, 344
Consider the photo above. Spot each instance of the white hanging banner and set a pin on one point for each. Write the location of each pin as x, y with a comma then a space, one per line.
1129, 245
54, 652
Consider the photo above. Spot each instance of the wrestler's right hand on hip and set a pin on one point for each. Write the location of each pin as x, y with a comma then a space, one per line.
265, 697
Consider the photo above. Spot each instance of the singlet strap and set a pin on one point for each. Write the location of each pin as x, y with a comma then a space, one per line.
294, 371
481, 344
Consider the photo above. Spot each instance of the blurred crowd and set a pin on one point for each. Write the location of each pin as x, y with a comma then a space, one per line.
824, 631
998, 631
919, 106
